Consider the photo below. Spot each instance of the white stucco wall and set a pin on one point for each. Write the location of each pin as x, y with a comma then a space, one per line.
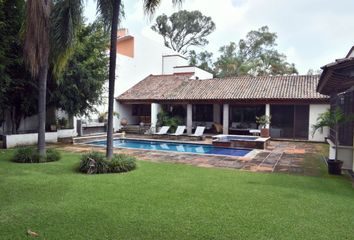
148, 59
169, 62
155, 109
125, 111
28, 139
201, 74
67, 133
198, 73
314, 112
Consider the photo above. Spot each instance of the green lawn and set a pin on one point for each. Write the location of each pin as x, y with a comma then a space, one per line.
170, 201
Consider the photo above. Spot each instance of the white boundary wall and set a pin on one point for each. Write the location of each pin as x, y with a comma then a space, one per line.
67, 133
15, 140
314, 112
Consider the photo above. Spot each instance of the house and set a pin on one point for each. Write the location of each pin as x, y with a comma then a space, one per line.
137, 57
233, 102
337, 81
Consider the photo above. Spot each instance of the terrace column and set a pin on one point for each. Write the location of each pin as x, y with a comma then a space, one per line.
216, 113
226, 119
189, 118
155, 109
267, 112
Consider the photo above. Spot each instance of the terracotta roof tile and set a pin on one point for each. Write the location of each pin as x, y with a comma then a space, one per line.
180, 87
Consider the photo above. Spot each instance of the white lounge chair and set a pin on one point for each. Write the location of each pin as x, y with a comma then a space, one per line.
163, 130
179, 131
199, 131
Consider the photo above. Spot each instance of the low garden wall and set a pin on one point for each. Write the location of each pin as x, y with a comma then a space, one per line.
66, 133
14, 140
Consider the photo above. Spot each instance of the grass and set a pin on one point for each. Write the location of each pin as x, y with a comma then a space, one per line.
169, 201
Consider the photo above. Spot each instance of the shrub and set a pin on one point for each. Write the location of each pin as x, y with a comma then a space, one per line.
25, 155
93, 162
122, 163
53, 155
30, 155
96, 162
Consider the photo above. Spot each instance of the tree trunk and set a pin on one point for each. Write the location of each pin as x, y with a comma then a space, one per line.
112, 76
42, 91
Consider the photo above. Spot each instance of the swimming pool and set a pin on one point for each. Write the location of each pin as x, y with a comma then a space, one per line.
173, 147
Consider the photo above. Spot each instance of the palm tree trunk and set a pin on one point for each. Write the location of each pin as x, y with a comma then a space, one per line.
42, 91
112, 76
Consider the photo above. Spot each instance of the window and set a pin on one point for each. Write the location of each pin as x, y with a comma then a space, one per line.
203, 112
141, 110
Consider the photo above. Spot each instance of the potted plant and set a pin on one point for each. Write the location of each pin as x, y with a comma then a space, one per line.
263, 121
103, 117
333, 119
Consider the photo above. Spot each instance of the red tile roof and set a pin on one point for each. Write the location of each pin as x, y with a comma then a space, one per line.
180, 87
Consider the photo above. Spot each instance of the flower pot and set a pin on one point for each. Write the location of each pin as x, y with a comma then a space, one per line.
124, 122
264, 132
334, 167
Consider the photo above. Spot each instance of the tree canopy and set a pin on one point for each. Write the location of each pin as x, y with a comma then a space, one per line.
203, 60
17, 90
80, 87
184, 29
255, 55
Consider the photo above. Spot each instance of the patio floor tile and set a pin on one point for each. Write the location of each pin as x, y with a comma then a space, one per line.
280, 156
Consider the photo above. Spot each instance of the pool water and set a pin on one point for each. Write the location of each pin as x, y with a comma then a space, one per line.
173, 147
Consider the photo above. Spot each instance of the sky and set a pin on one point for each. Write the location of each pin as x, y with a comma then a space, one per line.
311, 33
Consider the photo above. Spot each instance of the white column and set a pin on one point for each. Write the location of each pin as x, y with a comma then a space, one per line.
226, 119
116, 120
189, 118
216, 113
267, 113
155, 109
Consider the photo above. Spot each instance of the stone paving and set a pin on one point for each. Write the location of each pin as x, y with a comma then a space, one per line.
281, 156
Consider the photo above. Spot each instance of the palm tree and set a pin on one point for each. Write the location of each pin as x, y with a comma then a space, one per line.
112, 76
332, 119
48, 40
149, 7
50, 32
36, 53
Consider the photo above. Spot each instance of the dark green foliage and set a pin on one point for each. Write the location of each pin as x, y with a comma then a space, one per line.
80, 87
255, 55
203, 60
18, 92
30, 155
25, 155
122, 163
165, 118
96, 163
52, 155
184, 29
93, 162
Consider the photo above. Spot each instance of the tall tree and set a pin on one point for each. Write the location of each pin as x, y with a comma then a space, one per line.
184, 29
112, 76
36, 52
51, 34
149, 7
255, 55
203, 60
80, 86
228, 63
54, 33
17, 92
